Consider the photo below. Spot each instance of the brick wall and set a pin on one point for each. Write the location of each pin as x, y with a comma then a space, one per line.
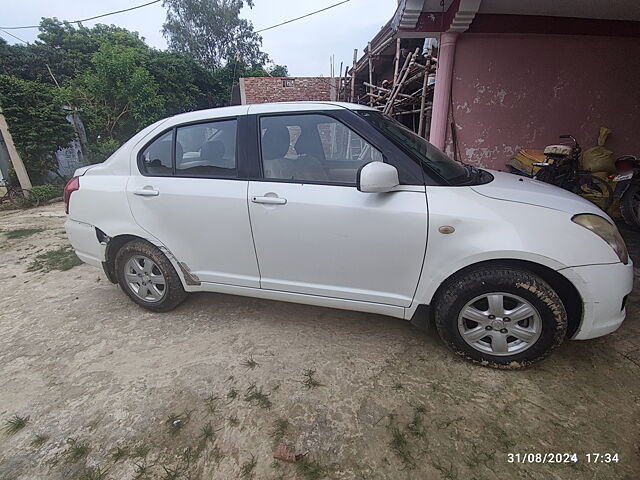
286, 89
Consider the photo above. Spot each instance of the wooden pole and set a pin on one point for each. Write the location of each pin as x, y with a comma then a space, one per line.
405, 73
396, 61
16, 161
353, 74
370, 69
340, 83
423, 98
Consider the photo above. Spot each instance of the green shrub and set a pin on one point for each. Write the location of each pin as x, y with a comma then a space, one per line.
47, 192
99, 151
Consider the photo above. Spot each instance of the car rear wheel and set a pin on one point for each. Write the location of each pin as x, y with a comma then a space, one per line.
148, 278
500, 316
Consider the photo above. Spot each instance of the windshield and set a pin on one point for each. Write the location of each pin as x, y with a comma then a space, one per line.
450, 170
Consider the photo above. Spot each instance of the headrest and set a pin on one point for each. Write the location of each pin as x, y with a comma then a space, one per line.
212, 151
275, 142
308, 143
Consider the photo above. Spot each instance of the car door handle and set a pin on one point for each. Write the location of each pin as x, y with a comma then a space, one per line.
269, 200
146, 192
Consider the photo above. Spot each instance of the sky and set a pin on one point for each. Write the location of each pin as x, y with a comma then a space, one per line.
304, 46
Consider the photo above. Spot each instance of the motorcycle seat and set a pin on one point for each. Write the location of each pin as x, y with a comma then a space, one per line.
557, 150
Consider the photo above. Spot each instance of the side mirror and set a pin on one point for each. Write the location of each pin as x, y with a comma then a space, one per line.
377, 177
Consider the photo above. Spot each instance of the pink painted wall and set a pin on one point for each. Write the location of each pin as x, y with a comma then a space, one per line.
523, 91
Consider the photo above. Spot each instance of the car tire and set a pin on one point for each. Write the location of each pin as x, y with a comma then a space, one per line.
630, 206
147, 276
500, 316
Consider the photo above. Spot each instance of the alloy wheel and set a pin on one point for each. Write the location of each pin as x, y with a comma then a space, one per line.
500, 324
145, 279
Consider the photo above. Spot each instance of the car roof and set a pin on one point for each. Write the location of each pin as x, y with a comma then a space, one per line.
276, 107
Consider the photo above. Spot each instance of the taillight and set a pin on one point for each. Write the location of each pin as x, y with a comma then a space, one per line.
71, 186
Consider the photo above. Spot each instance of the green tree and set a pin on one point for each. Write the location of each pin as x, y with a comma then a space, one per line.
36, 119
71, 49
279, 71
212, 32
118, 96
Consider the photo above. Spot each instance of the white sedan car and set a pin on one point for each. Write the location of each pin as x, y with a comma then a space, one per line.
338, 205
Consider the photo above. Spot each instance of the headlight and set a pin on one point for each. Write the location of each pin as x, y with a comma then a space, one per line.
606, 231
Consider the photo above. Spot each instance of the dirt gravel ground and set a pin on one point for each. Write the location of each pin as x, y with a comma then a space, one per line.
209, 391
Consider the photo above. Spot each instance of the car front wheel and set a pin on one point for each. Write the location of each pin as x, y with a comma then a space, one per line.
500, 316
148, 278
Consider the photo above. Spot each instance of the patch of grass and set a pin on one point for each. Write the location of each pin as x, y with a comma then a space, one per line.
246, 469
211, 402
15, 424
22, 232
207, 433
141, 471
39, 440
63, 258
447, 423
189, 455
93, 474
170, 473
310, 380
280, 427
310, 469
175, 423
76, 450
232, 394
233, 421
400, 446
415, 426
250, 363
120, 453
217, 455
140, 451
449, 472
255, 396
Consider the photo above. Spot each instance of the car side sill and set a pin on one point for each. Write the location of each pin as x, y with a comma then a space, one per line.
382, 309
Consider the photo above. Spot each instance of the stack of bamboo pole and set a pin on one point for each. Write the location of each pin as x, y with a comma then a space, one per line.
409, 92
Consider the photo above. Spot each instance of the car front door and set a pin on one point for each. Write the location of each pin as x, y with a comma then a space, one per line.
185, 191
315, 233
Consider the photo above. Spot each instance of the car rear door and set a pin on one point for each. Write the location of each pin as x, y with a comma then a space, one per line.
185, 189
315, 233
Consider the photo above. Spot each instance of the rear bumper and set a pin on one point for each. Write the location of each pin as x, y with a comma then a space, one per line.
85, 242
604, 289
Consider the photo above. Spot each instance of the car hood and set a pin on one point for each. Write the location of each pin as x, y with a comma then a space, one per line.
515, 188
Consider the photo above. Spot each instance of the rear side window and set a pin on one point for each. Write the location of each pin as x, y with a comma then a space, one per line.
206, 149
200, 150
156, 158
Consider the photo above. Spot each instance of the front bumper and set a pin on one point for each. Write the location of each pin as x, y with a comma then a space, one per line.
604, 289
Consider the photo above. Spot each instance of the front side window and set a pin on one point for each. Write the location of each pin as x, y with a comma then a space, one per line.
450, 170
313, 148
206, 149
156, 158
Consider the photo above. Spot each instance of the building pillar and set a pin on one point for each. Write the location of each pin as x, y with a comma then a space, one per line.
442, 91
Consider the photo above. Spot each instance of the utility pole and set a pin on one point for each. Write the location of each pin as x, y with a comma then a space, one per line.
16, 161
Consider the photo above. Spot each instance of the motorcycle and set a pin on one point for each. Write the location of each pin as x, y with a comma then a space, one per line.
561, 168
628, 189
